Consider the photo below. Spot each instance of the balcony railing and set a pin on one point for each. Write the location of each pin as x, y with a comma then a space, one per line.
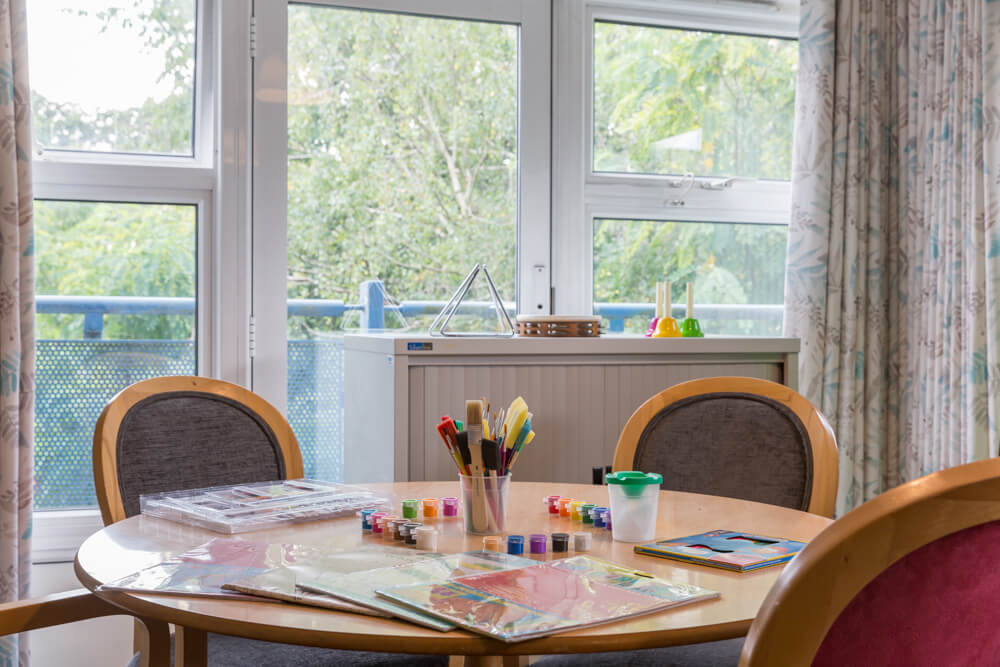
76, 378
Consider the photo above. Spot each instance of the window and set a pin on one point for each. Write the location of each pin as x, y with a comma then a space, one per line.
147, 106
124, 186
738, 271
413, 144
687, 115
254, 173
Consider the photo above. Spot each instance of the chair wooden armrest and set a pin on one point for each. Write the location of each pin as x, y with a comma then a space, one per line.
55, 609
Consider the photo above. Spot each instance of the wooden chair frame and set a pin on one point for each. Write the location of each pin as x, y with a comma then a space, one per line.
822, 498
832, 569
106, 431
77, 605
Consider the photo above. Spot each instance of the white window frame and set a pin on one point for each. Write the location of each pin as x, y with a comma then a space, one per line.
216, 180
271, 146
581, 195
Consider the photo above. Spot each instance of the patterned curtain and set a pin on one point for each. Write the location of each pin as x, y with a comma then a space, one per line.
17, 318
894, 247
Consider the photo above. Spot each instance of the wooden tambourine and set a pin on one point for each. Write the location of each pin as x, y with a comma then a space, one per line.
559, 326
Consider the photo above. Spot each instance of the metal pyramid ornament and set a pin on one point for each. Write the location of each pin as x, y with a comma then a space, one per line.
439, 327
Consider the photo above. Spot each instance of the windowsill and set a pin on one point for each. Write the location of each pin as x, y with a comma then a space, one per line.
57, 534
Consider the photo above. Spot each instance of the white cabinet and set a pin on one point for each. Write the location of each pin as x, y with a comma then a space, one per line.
581, 392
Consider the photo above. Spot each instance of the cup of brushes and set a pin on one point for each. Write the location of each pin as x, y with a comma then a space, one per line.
484, 454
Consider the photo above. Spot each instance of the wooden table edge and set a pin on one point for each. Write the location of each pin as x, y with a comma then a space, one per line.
454, 642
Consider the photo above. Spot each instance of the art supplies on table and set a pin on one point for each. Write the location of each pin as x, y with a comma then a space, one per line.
360, 587
484, 454
203, 570
282, 583
245, 507
726, 549
545, 598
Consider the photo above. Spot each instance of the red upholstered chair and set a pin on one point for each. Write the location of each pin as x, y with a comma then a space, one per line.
908, 578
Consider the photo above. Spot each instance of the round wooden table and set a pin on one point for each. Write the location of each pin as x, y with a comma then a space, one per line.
139, 542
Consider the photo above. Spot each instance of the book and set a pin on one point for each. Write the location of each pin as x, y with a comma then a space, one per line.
726, 549
260, 571
360, 587
546, 598
204, 569
282, 583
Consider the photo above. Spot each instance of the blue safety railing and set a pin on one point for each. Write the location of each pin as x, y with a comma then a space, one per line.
76, 378
373, 309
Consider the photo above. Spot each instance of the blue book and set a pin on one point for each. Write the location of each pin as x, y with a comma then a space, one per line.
726, 549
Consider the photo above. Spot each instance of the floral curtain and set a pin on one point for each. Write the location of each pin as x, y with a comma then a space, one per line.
894, 246
17, 318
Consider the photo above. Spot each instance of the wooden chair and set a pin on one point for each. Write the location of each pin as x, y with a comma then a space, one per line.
184, 432
737, 437
908, 578
58, 609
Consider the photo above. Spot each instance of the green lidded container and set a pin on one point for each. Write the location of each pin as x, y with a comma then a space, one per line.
633, 482
410, 508
585, 512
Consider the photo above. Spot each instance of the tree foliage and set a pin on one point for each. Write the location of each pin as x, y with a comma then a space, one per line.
402, 141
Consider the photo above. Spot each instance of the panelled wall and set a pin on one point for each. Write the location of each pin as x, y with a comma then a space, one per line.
581, 393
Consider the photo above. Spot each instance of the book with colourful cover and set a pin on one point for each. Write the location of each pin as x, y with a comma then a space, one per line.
726, 549
282, 583
360, 587
546, 598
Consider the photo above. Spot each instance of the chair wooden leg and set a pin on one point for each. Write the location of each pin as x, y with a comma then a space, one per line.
151, 639
140, 642
190, 647
494, 661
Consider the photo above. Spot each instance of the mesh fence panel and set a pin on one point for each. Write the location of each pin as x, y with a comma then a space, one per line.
76, 378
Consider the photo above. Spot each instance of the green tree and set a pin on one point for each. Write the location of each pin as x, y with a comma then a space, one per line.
652, 84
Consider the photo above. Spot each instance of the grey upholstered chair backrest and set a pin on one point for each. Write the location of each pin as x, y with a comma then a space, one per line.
189, 440
730, 444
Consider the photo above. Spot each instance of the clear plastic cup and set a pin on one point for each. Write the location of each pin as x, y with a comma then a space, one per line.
634, 500
484, 503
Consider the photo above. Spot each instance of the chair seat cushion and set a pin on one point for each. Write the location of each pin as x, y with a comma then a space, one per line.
226, 651
708, 654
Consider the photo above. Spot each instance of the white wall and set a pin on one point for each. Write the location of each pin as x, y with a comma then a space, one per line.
100, 642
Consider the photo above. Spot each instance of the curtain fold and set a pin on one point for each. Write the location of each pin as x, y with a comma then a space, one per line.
893, 249
17, 319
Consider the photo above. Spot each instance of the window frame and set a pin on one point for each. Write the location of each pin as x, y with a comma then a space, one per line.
559, 194
216, 180
270, 177
581, 194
